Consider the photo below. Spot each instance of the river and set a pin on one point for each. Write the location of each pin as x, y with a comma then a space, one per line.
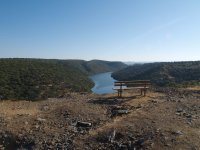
104, 83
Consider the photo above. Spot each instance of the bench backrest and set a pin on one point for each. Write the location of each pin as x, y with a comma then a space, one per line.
134, 83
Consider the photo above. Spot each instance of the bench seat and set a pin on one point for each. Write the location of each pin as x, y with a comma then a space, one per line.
143, 85
131, 88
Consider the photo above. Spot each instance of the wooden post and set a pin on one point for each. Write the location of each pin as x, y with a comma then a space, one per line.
145, 85
121, 90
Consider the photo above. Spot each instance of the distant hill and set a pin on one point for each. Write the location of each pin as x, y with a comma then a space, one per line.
135, 62
97, 66
42, 78
162, 74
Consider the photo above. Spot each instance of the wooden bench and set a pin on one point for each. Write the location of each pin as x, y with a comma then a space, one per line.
143, 85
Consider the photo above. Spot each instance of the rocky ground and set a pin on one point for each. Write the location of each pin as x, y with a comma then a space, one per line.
164, 119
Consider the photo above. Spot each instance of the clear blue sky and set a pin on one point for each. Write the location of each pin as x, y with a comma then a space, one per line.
125, 30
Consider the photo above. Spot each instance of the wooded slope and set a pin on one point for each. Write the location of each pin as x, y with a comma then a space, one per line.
43, 78
169, 73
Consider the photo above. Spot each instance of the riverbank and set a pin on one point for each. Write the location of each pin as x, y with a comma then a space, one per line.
164, 119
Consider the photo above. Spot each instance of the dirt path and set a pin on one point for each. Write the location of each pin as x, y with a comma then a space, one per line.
136, 102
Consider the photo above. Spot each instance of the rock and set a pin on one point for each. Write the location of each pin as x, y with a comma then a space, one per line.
158, 130
41, 119
45, 108
189, 116
139, 106
167, 144
2, 147
177, 133
189, 123
139, 143
19, 114
83, 124
179, 110
9, 118
111, 138
119, 112
37, 126
26, 122
179, 114
154, 101
123, 146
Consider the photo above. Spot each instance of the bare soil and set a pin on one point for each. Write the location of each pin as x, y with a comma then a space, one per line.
164, 119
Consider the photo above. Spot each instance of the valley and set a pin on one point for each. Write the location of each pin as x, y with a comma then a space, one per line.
72, 117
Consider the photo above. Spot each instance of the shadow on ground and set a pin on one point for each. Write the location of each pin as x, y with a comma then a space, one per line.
113, 100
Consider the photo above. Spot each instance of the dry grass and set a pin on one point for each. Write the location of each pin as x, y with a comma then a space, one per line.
151, 116
156, 116
194, 88
13, 108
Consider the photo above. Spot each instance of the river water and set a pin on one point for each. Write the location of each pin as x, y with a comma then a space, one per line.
104, 83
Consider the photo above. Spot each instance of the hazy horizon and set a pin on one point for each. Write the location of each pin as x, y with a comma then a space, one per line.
115, 30
126, 62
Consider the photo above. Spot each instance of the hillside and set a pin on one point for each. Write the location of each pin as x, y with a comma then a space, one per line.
42, 78
35, 79
169, 73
